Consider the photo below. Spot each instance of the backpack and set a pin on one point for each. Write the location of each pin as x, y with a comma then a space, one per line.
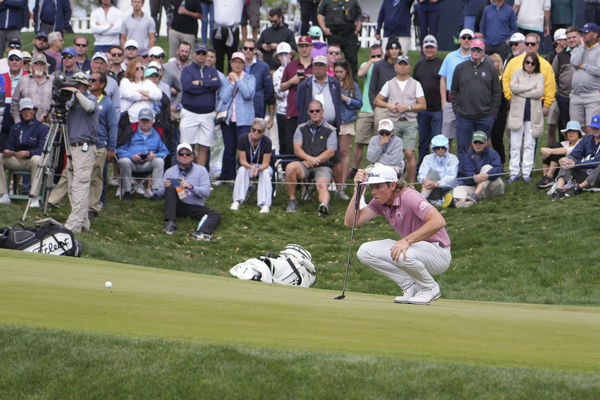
291, 267
46, 238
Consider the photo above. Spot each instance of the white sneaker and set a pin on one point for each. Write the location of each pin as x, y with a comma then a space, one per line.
140, 190
235, 206
35, 203
426, 295
264, 210
114, 181
408, 294
5, 199
342, 195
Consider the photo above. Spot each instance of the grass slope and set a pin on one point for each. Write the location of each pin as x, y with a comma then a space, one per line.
64, 293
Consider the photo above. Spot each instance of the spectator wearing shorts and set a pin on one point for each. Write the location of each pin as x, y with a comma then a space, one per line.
251, 16
200, 84
403, 97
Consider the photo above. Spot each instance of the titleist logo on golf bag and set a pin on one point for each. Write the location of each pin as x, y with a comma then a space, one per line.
45, 239
292, 267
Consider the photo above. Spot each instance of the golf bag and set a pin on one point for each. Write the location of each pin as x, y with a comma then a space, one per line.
46, 239
292, 267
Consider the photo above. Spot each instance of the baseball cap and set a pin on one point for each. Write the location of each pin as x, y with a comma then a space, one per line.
131, 43
381, 174
184, 146
479, 136
314, 32
81, 77
466, 31
101, 56
386, 125
41, 34
595, 122
156, 51
283, 47
440, 141
393, 43
430, 41
589, 27
26, 103
320, 60
403, 59
16, 53
155, 64
560, 34
517, 37
304, 40
38, 58
573, 126
70, 51
146, 113
201, 47
149, 71
238, 54
26, 55
478, 44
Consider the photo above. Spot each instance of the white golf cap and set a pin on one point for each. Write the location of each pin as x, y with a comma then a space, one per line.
284, 47
26, 104
184, 146
429, 41
16, 53
132, 43
156, 51
466, 31
385, 125
155, 64
517, 37
381, 174
560, 34
101, 56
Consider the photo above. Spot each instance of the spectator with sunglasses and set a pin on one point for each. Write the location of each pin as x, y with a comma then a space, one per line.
278, 32
13, 44
437, 173
111, 89
264, 95
532, 44
14, 16
115, 57
14, 74
386, 148
80, 44
185, 187
498, 23
36, 86
69, 64
334, 53
517, 47
136, 91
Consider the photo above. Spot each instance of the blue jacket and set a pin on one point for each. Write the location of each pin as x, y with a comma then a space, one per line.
57, 12
304, 97
244, 99
264, 86
107, 124
199, 99
471, 163
140, 143
395, 20
355, 103
498, 24
586, 153
14, 14
30, 135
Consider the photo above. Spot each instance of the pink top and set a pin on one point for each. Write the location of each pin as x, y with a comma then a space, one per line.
407, 214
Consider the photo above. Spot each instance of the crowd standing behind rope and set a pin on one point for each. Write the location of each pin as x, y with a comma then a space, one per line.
239, 102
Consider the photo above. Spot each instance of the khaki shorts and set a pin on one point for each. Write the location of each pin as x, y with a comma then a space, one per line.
347, 129
317, 172
365, 127
407, 131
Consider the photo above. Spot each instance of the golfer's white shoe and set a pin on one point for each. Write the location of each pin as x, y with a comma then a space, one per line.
408, 293
426, 295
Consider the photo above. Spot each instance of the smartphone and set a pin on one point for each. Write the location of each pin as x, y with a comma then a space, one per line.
144, 156
300, 72
174, 182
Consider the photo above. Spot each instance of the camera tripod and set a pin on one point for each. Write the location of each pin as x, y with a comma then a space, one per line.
57, 136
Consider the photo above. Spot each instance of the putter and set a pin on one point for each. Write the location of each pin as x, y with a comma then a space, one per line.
357, 190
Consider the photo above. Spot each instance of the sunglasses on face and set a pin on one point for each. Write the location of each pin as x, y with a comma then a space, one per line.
42, 39
81, 45
527, 62
39, 63
248, 48
376, 56
139, 68
439, 147
14, 59
385, 133
274, 21
477, 142
93, 80
161, 56
337, 53
154, 76
15, 46
530, 44
466, 37
257, 130
116, 54
314, 111
202, 52
513, 44
68, 56
130, 48
184, 154
477, 49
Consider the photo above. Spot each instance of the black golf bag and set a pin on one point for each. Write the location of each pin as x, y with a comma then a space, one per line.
46, 239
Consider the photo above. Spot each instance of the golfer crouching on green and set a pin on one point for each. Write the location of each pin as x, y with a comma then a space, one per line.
424, 249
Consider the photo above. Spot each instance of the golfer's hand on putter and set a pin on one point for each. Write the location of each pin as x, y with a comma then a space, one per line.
399, 249
360, 177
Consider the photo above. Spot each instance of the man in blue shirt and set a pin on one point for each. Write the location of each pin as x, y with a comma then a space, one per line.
498, 23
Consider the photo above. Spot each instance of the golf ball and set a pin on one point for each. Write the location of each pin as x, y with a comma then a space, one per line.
108, 284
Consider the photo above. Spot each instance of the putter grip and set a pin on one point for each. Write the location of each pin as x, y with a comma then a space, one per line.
357, 190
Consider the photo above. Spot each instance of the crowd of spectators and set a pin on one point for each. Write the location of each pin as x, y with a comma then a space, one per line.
161, 115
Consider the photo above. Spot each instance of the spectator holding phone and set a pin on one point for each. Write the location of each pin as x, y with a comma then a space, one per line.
144, 152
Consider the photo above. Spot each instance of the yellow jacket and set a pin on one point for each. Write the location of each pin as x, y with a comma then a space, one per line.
546, 70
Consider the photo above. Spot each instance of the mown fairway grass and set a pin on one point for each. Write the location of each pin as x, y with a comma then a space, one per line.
202, 325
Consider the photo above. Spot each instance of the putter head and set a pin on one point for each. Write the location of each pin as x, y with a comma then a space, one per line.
340, 297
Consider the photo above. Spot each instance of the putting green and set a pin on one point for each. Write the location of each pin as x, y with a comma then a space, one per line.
69, 293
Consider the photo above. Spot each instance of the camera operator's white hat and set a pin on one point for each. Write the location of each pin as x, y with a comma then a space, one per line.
381, 174
385, 125
26, 103
81, 77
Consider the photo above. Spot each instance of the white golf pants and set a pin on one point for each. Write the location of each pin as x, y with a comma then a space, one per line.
423, 260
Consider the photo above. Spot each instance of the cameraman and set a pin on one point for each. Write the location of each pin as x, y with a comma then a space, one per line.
386, 148
82, 128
